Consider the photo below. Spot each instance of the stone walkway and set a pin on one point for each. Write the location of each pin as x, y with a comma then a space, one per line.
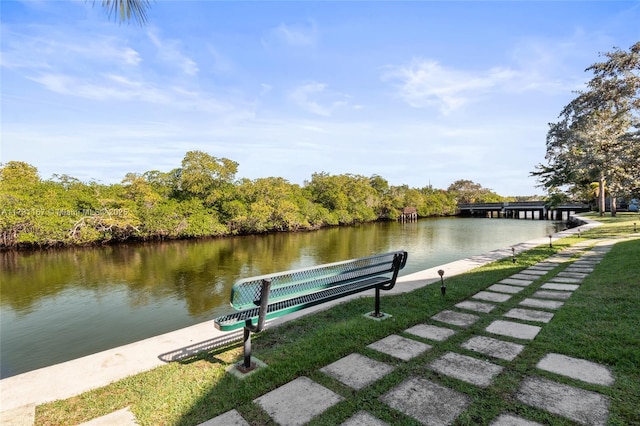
477, 361
302, 399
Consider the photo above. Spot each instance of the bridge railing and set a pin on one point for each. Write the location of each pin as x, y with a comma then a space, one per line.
523, 205
480, 205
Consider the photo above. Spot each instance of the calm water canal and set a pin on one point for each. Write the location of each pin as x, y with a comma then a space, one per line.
63, 304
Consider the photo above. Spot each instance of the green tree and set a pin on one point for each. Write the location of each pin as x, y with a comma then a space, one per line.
349, 198
272, 204
466, 191
140, 190
205, 176
597, 136
25, 217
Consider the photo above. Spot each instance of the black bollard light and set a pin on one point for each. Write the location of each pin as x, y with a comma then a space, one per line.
579, 233
634, 227
443, 289
513, 250
550, 245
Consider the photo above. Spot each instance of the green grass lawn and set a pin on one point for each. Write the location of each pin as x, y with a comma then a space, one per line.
600, 323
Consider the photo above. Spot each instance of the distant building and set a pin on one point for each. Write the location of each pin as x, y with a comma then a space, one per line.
409, 214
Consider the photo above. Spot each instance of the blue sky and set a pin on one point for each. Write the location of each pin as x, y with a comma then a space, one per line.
417, 92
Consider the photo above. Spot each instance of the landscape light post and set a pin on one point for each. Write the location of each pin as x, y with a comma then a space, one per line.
513, 251
550, 245
443, 289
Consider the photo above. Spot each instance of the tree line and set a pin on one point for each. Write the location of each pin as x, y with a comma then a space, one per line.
594, 148
200, 199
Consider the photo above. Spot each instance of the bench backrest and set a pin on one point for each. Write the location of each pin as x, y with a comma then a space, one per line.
245, 293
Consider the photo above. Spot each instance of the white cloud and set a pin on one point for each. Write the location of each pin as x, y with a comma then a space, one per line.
314, 98
424, 83
109, 68
295, 35
102, 87
221, 63
169, 51
50, 48
113, 87
427, 83
301, 96
265, 88
550, 64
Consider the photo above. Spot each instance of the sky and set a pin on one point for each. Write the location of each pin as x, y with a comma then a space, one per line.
420, 92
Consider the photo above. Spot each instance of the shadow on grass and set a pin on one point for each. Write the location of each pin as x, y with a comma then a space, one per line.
191, 352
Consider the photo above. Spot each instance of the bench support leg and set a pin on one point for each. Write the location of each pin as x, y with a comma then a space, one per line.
249, 327
247, 349
377, 313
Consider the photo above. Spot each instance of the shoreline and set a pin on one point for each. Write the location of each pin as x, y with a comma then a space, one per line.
64, 380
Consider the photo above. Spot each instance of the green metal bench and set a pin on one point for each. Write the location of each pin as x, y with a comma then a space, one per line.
270, 296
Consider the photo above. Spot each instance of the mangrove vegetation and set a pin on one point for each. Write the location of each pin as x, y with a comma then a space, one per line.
202, 198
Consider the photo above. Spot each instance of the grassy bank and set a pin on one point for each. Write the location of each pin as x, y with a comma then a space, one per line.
600, 322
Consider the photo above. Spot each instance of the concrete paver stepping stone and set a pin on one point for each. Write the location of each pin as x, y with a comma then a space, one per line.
586, 263
123, 417
466, 368
511, 420
533, 271
514, 281
431, 332
357, 371
230, 418
550, 294
362, 418
513, 329
542, 269
597, 251
595, 256
427, 402
493, 347
566, 280
576, 368
560, 286
590, 258
456, 318
491, 296
582, 269
545, 265
400, 347
582, 406
570, 274
503, 288
538, 303
297, 402
557, 260
476, 306
523, 276
529, 315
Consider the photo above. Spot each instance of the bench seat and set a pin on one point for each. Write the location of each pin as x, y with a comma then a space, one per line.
274, 310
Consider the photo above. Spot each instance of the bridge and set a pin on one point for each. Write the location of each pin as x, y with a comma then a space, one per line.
522, 210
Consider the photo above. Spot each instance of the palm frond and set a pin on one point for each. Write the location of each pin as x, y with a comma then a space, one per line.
125, 10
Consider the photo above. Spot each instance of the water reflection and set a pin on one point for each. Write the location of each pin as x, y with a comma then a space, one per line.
62, 304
